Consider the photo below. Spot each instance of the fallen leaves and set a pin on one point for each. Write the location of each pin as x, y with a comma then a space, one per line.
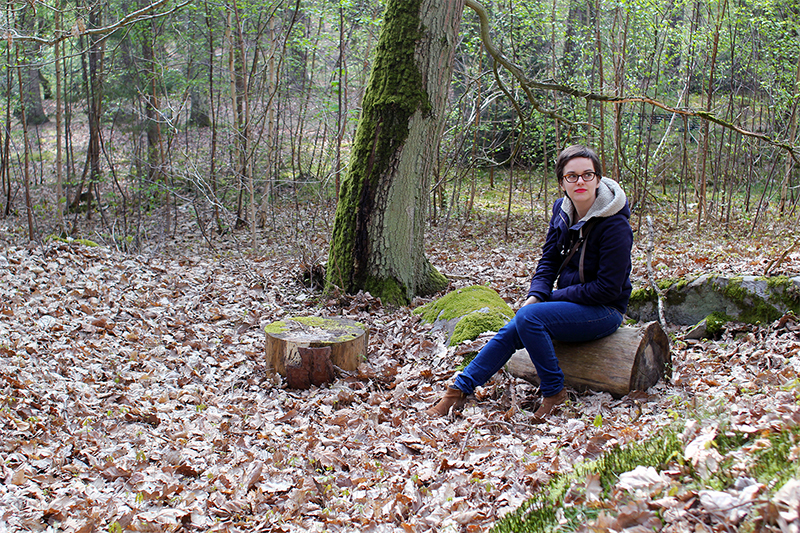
134, 397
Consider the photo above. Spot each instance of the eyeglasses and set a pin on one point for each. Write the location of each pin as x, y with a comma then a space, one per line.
586, 176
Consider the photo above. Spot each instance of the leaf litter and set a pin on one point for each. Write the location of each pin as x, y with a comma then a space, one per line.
136, 397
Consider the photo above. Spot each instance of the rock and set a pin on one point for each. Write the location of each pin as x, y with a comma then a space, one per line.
699, 331
463, 314
750, 299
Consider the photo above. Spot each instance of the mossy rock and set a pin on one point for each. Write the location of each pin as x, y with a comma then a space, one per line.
711, 326
70, 240
750, 299
466, 313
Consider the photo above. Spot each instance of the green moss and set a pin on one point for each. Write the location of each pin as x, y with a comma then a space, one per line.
280, 326
715, 323
389, 290
541, 512
435, 282
478, 307
754, 309
70, 240
785, 286
468, 357
668, 286
645, 294
276, 327
462, 302
477, 322
681, 284
665, 284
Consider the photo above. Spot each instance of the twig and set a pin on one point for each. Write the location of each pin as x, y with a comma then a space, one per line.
651, 275
775, 263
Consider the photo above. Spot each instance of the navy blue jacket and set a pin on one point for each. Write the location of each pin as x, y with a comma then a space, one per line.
607, 261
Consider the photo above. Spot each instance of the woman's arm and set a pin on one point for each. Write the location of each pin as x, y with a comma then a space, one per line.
546, 270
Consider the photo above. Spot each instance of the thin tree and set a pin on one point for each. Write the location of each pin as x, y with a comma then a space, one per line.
26, 169
792, 137
29, 73
60, 200
702, 153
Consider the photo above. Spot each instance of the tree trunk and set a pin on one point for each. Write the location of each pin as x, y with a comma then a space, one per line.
151, 106
5, 159
600, 145
237, 68
213, 153
199, 114
93, 87
26, 169
30, 88
378, 234
633, 358
59, 128
621, 20
792, 137
271, 153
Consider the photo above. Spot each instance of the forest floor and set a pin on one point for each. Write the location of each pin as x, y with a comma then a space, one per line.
134, 397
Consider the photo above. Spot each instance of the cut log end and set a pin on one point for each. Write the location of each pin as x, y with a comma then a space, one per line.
298, 348
652, 360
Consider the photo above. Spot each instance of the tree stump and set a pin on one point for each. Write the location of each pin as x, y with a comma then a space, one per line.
305, 349
632, 358
312, 366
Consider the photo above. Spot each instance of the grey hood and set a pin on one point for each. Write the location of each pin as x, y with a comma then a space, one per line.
610, 200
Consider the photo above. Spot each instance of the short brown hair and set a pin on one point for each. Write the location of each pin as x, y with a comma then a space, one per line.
577, 150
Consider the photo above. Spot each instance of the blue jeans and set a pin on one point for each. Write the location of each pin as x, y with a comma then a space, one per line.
534, 327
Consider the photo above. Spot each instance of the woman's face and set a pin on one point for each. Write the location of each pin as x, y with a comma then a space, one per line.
581, 192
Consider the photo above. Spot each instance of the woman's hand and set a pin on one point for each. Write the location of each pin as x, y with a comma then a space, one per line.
531, 300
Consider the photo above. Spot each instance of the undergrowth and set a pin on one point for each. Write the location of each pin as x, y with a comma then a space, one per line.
541, 512
770, 461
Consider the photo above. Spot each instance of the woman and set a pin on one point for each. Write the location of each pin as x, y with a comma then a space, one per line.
587, 256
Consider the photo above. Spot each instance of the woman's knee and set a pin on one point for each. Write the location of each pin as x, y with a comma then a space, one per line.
531, 314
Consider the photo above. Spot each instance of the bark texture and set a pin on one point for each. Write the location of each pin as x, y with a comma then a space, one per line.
633, 358
346, 342
378, 235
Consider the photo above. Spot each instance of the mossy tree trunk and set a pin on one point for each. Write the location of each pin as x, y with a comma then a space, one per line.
378, 235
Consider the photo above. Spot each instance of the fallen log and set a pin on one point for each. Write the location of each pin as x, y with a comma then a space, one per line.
298, 348
633, 358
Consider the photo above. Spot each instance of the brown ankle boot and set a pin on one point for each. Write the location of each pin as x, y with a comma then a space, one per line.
549, 403
452, 399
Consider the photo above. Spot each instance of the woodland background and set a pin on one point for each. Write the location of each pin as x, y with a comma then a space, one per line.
201, 145
223, 111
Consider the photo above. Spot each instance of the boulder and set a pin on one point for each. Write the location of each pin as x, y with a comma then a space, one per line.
750, 299
463, 314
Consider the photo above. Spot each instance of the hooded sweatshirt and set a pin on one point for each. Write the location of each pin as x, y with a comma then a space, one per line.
607, 259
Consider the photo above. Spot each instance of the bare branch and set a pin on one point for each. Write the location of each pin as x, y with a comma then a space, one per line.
527, 85
140, 15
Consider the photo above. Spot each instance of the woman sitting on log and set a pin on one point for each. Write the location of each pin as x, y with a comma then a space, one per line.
587, 256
